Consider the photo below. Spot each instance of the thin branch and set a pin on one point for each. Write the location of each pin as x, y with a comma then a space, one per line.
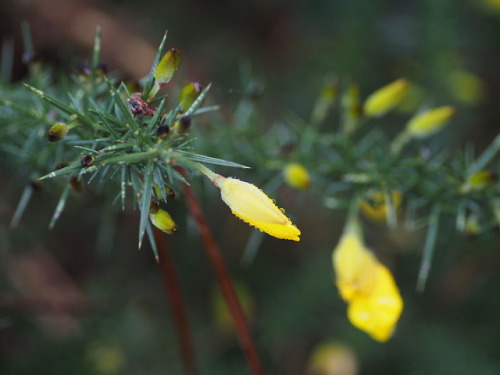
177, 304
224, 279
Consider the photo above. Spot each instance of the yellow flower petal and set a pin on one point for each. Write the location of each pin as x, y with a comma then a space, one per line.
297, 176
386, 98
378, 312
355, 267
253, 206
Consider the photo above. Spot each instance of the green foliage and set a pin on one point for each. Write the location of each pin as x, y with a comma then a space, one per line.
112, 137
114, 144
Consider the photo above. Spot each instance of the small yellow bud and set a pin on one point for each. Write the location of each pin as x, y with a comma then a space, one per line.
57, 132
466, 87
189, 94
325, 101
386, 98
106, 357
332, 358
429, 122
472, 226
478, 181
183, 124
297, 176
167, 66
163, 221
253, 206
375, 207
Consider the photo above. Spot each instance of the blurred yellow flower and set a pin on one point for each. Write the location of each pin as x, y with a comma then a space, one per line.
466, 87
355, 267
378, 312
333, 358
386, 98
375, 303
478, 181
297, 176
253, 206
429, 122
375, 208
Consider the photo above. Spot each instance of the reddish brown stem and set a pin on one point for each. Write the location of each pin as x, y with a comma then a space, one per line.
177, 304
226, 285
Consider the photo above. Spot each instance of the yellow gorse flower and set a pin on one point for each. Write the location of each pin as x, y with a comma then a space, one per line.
354, 266
429, 122
297, 176
386, 98
378, 312
375, 303
253, 206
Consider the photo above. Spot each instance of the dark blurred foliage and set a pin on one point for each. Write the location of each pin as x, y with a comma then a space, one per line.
116, 314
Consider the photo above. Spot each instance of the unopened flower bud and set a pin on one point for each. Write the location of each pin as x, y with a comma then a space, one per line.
167, 66
253, 206
472, 226
75, 184
61, 166
429, 122
332, 358
170, 192
57, 132
87, 161
375, 206
466, 87
36, 185
386, 98
183, 124
163, 131
163, 221
297, 176
189, 94
479, 180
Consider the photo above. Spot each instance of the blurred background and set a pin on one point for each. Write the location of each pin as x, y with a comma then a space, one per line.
80, 299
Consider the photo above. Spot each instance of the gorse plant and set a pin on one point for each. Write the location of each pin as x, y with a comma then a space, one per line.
94, 129
109, 132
